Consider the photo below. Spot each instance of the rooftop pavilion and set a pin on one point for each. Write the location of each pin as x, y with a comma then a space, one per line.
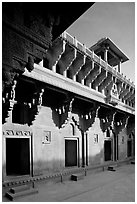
109, 52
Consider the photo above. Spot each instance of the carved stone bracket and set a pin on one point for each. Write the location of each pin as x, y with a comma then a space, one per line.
126, 122
130, 125
7, 111
112, 120
65, 111
10, 73
8, 99
30, 63
36, 104
106, 119
87, 120
9, 94
120, 122
76, 122
8, 76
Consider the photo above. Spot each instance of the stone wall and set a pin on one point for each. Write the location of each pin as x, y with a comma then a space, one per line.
47, 141
95, 143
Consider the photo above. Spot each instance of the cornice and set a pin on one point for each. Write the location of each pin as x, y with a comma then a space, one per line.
47, 76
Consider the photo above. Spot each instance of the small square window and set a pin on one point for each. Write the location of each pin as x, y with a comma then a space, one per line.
96, 138
46, 137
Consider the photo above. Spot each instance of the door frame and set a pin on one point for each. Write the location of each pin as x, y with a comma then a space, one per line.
111, 149
78, 156
30, 155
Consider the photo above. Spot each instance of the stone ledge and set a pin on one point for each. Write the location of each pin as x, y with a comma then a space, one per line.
59, 177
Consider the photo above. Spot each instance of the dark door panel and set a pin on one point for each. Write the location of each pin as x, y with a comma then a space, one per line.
107, 150
70, 153
17, 156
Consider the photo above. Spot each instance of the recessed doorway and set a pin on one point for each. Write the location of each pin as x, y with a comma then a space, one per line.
107, 150
71, 153
17, 156
129, 148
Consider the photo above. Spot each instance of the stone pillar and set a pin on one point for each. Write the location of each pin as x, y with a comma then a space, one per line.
82, 81
41, 63
74, 77
106, 54
83, 150
86, 149
75, 41
54, 68
119, 66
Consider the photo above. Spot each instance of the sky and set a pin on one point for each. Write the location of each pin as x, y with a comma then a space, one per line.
115, 20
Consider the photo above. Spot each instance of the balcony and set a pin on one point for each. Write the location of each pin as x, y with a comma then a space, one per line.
69, 65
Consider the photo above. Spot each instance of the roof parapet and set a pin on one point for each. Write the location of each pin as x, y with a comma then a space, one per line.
90, 53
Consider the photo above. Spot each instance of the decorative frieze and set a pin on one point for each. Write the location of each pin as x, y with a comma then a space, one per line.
112, 97
17, 133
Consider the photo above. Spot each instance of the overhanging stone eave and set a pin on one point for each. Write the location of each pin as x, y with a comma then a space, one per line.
126, 108
47, 76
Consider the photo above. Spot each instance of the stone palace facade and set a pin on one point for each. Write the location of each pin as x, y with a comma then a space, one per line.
64, 105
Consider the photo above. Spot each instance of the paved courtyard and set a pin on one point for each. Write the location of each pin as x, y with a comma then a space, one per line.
107, 186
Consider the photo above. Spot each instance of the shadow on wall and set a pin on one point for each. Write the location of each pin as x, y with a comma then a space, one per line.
59, 119
104, 125
55, 117
131, 126
85, 124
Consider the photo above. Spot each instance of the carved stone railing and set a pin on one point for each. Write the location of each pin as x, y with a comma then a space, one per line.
82, 48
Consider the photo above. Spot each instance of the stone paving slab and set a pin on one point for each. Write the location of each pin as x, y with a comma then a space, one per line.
107, 186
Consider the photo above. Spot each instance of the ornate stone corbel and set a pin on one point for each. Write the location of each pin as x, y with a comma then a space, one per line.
87, 119
67, 110
30, 63
36, 104
8, 76
9, 102
40, 97
97, 111
112, 120
77, 123
12, 94
125, 121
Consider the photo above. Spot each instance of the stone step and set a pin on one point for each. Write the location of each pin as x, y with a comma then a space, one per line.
76, 177
13, 196
19, 188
